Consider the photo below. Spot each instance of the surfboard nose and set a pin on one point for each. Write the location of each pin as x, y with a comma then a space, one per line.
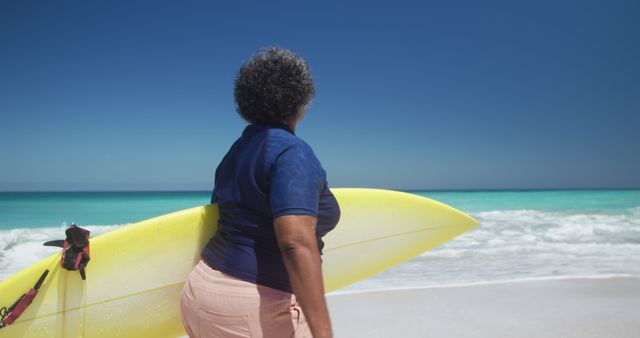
380, 229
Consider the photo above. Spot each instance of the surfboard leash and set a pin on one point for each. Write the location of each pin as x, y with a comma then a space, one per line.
74, 257
9, 315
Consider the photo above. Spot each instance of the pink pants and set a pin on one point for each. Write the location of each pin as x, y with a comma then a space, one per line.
217, 305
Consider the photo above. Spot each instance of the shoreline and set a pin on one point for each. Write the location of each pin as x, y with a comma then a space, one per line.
569, 307
480, 283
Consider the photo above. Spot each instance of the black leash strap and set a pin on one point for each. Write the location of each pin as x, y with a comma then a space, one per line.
8, 316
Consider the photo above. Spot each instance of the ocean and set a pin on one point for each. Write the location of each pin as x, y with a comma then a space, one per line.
522, 234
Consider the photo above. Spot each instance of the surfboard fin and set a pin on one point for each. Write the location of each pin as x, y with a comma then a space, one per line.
75, 249
58, 243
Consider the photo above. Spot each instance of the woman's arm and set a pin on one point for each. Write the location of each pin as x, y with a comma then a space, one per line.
296, 237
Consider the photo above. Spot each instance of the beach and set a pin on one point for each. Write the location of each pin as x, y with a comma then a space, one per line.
580, 307
541, 264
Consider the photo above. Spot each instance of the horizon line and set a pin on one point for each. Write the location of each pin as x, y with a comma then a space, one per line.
412, 190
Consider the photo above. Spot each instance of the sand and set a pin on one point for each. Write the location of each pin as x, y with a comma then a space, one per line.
603, 307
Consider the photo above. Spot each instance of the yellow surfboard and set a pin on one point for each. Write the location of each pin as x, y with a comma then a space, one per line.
136, 273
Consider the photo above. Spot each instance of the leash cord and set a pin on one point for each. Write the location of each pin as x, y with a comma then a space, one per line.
3, 313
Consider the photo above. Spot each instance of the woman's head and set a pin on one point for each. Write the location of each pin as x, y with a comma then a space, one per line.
273, 87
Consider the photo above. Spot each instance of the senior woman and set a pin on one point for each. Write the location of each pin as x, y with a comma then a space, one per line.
260, 274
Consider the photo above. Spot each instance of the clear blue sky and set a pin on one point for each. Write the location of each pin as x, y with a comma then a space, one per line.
130, 95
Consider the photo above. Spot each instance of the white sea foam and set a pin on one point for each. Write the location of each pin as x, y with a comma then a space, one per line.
22, 247
522, 244
508, 245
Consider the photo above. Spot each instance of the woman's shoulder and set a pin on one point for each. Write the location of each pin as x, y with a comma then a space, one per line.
279, 141
286, 150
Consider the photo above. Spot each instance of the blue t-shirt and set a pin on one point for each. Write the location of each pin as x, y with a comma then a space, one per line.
267, 173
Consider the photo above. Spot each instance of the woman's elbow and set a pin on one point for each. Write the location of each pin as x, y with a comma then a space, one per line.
295, 233
293, 246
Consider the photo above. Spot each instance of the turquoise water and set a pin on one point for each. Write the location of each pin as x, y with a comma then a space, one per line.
47, 209
523, 234
548, 200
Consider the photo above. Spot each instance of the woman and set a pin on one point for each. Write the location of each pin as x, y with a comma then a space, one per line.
260, 275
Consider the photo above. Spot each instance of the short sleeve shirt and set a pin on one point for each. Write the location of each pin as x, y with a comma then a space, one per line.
268, 172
